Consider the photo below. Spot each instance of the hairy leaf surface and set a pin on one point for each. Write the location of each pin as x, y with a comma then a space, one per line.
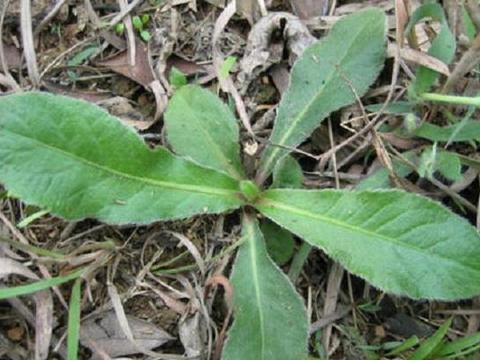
202, 128
400, 242
76, 160
329, 75
270, 318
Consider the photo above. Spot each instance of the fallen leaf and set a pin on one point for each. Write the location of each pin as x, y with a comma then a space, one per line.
16, 333
121, 108
141, 72
420, 58
191, 330
91, 96
103, 334
43, 306
12, 56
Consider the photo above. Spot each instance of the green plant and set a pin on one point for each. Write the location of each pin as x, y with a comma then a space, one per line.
76, 161
139, 23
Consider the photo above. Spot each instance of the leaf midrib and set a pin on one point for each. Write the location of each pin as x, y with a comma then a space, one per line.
256, 284
109, 170
299, 117
373, 235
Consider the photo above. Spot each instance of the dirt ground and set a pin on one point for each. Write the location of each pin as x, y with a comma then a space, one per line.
120, 55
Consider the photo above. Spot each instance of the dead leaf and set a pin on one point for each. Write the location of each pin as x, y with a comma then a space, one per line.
191, 330
420, 58
267, 41
43, 306
91, 96
309, 8
104, 334
141, 72
187, 67
121, 107
386, 5
12, 56
16, 333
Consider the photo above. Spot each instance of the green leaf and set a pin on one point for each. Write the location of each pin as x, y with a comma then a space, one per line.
446, 163
400, 242
396, 107
432, 343
202, 128
270, 318
328, 76
20, 290
470, 29
177, 78
463, 131
31, 218
404, 346
463, 345
145, 35
380, 179
137, 23
443, 46
75, 160
280, 243
227, 66
74, 312
287, 174
249, 190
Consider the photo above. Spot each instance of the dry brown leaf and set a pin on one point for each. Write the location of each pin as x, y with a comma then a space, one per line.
104, 334
91, 96
141, 72
185, 66
12, 56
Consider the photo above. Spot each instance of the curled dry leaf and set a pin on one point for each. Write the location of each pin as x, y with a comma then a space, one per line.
103, 334
267, 42
43, 305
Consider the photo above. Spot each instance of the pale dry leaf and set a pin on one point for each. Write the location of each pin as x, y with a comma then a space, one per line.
386, 5
305, 9
267, 41
192, 249
226, 83
28, 43
191, 330
43, 305
420, 58
107, 335
401, 20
